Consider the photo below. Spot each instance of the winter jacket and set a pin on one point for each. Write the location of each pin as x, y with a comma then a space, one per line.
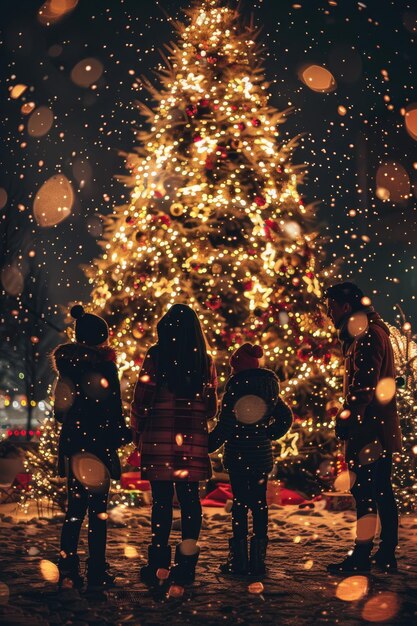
248, 447
171, 432
363, 419
88, 404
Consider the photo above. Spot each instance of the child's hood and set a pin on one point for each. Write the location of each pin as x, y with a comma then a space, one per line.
74, 353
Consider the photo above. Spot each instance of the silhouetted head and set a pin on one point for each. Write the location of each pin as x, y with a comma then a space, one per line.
183, 363
343, 299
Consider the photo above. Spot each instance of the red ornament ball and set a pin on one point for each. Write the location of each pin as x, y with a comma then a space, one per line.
191, 110
256, 122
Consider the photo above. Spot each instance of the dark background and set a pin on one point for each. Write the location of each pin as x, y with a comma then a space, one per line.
370, 48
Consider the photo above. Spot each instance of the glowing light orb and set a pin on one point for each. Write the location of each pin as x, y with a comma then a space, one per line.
3, 198
366, 527
345, 481
382, 607
370, 453
162, 573
410, 120
40, 122
12, 280
53, 202
352, 588
90, 471
49, 571
131, 552
256, 588
318, 78
86, 72
385, 390
179, 439
189, 547
175, 591
64, 394
250, 409
392, 182
17, 91
54, 10
357, 324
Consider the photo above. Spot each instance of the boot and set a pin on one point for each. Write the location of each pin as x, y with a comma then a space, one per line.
69, 572
385, 561
183, 571
98, 576
237, 560
159, 557
258, 546
359, 561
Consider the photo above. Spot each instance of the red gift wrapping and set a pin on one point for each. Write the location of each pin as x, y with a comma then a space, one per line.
133, 481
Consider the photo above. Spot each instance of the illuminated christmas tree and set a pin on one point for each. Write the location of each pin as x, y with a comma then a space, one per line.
405, 464
215, 219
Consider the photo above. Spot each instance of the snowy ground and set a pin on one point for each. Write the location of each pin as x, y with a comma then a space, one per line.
297, 591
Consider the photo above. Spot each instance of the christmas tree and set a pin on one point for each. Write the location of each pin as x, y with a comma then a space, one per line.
405, 464
215, 220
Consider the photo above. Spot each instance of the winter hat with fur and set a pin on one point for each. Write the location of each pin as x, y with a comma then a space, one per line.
89, 328
246, 357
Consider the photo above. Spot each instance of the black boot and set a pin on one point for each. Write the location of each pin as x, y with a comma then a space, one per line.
159, 557
258, 546
183, 571
237, 560
357, 562
98, 575
69, 572
385, 561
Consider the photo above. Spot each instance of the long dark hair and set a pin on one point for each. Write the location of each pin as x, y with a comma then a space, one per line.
183, 362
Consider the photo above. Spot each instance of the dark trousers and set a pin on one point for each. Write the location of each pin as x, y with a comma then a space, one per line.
161, 517
81, 499
249, 492
373, 495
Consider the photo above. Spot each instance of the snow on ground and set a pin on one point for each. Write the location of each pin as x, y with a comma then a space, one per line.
297, 591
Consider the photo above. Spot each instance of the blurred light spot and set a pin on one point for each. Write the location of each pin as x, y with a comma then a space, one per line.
53, 202
366, 301
3, 198
352, 588
49, 571
12, 280
17, 91
341, 110
82, 171
131, 552
385, 390
40, 122
175, 591
406, 327
179, 439
382, 607
189, 547
318, 78
256, 588
410, 21
292, 229
250, 409
103, 516
4, 593
370, 453
308, 564
86, 72
27, 108
64, 394
392, 182
410, 120
54, 10
55, 50
297, 539
357, 324
90, 471
366, 527
344, 415
94, 226
162, 573
344, 481
104, 382
181, 473
93, 386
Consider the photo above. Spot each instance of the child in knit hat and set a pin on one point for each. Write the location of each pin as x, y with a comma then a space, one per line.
88, 404
252, 416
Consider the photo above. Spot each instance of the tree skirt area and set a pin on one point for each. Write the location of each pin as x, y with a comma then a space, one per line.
297, 590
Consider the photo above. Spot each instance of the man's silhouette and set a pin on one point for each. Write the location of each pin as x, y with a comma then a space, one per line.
368, 424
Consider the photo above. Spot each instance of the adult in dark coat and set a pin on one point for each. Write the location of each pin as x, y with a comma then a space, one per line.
368, 423
88, 404
252, 415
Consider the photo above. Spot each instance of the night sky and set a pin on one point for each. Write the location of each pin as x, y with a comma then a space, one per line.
347, 134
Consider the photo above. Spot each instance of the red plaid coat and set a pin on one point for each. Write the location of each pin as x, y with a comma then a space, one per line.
171, 433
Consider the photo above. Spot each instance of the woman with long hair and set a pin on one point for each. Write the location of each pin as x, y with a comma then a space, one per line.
174, 397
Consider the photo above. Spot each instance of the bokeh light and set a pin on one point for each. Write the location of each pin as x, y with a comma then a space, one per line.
344, 481
53, 202
318, 78
352, 588
392, 182
250, 409
54, 10
410, 120
382, 607
256, 588
86, 72
131, 552
3, 198
366, 527
17, 91
40, 122
90, 471
12, 280
370, 453
49, 571
357, 324
385, 390
4, 593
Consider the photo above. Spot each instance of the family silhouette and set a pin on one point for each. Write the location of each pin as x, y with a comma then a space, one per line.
174, 398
